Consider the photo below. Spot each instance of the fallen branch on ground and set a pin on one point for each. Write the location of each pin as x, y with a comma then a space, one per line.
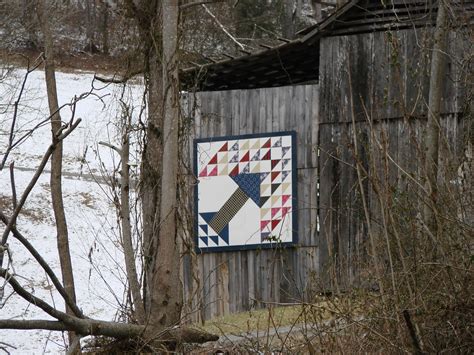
88, 326
119, 80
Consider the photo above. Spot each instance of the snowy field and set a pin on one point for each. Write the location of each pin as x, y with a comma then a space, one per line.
96, 255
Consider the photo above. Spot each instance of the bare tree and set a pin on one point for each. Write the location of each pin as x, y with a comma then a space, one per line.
163, 298
56, 159
166, 303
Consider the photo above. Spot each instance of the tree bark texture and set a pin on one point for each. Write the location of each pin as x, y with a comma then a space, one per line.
116, 330
127, 227
162, 291
166, 295
56, 160
437, 80
151, 165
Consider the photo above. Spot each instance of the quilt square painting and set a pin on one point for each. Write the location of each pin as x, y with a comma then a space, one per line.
246, 195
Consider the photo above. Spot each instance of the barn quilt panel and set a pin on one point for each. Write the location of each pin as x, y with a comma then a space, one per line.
246, 194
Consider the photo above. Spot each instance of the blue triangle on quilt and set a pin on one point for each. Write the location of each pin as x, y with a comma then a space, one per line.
204, 228
235, 146
208, 216
224, 234
204, 240
215, 239
284, 150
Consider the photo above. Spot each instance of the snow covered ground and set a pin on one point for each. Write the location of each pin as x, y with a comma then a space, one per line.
96, 255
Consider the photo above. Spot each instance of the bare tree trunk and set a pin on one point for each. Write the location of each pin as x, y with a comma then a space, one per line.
437, 79
56, 162
126, 226
150, 179
90, 30
166, 298
162, 289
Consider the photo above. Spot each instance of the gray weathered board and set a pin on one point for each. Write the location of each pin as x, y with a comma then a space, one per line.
235, 281
373, 98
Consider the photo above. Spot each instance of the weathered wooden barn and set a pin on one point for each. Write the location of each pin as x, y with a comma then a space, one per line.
356, 80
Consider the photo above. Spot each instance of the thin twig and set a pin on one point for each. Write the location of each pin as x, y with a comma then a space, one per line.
13, 185
223, 27
33, 182
15, 112
195, 3
23, 240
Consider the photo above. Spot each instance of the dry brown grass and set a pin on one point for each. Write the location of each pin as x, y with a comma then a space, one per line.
34, 214
67, 62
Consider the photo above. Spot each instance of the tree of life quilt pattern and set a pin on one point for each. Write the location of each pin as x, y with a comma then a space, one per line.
246, 194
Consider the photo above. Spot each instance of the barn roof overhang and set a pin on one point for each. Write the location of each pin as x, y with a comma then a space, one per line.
291, 63
297, 62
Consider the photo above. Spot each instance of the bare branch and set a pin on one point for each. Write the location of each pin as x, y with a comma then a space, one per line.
71, 104
44, 265
93, 326
31, 298
222, 27
15, 111
32, 183
3, 346
112, 329
191, 4
13, 185
33, 324
111, 146
121, 80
